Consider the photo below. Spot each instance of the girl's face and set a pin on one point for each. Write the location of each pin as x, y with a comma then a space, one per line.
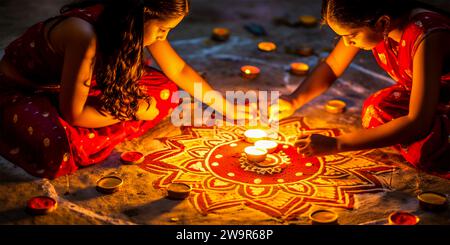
157, 30
362, 37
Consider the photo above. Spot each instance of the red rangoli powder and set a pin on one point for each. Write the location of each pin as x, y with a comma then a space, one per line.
132, 156
41, 203
404, 219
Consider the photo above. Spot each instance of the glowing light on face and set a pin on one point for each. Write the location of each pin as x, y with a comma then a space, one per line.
157, 30
362, 37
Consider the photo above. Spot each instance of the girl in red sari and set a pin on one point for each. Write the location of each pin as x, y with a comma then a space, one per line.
74, 86
410, 41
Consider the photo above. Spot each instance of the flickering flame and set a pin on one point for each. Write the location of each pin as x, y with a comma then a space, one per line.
249, 70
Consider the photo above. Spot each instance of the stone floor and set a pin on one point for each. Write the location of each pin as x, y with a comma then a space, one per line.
220, 62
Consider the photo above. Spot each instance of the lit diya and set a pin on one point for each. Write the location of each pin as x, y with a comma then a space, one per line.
250, 72
323, 217
335, 106
308, 20
253, 135
41, 205
299, 68
109, 184
132, 157
269, 145
403, 218
267, 46
432, 201
220, 34
178, 191
255, 154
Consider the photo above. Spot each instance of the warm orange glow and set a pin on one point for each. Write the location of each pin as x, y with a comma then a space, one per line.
220, 34
308, 20
321, 217
403, 218
299, 68
250, 72
267, 46
335, 106
221, 31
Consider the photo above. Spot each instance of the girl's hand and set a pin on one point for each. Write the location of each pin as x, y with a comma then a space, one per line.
285, 108
241, 112
316, 145
146, 112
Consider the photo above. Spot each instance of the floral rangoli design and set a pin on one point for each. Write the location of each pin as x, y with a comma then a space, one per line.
211, 161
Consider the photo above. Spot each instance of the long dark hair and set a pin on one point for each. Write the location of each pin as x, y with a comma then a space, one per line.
119, 60
358, 13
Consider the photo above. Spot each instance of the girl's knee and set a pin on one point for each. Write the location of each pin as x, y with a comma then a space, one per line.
32, 130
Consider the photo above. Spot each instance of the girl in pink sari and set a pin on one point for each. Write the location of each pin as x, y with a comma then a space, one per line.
74, 86
410, 41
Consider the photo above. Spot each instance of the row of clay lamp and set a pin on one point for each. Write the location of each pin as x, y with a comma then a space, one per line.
40, 205
296, 68
251, 72
110, 184
332, 106
222, 34
429, 201
176, 191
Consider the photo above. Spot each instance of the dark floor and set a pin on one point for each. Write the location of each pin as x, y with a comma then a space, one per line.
220, 62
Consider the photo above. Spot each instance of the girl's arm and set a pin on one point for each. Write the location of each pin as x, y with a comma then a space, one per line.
78, 42
428, 65
323, 76
176, 69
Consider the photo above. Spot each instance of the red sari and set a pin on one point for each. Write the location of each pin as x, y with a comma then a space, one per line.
33, 134
431, 153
